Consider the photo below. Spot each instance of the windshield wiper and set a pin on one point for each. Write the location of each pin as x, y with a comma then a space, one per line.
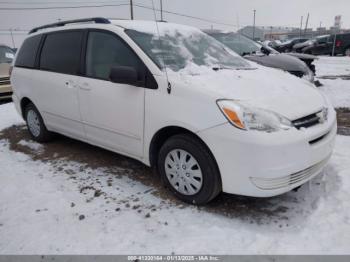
246, 68
217, 68
249, 53
233, 68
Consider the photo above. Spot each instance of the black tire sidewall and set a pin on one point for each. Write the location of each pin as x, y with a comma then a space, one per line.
211, 185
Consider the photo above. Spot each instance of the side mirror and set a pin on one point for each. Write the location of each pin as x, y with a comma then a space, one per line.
125, 75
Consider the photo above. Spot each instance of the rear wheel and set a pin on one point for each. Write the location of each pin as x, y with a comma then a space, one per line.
35, 124
189, 170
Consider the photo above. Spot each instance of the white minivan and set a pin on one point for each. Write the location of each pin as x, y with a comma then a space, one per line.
176, 99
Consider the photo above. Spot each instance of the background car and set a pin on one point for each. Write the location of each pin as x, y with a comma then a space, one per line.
324, 45
272, 43
287, 46
264, 55
6, 57
298, 48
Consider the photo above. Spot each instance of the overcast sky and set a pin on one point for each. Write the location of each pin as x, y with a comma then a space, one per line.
232, 12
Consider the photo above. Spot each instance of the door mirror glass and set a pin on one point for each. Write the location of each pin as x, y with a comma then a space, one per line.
124, 75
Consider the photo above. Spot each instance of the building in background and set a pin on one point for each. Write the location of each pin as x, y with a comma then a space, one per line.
263, 33
267, 32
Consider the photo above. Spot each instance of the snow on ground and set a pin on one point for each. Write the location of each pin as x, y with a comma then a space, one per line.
55, 207
8, 116
338, 90
41, 212
330, 66
32, 145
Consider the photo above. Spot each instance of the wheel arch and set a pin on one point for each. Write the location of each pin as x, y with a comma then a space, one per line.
162, 135
24, 102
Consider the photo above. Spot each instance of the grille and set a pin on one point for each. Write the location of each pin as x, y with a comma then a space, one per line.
290, 180
4, 81
5, 94
307, 121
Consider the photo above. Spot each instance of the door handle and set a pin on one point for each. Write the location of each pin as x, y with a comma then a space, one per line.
85, 86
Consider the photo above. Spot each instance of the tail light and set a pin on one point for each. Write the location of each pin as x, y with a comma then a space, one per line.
338, 43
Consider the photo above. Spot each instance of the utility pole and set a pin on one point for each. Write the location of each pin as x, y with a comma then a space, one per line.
301, 26
131, 10
254, 26
13, 40
161, 10
271, 38
334, 42
307, 23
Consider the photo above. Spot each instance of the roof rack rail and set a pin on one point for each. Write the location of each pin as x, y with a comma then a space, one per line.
97, 20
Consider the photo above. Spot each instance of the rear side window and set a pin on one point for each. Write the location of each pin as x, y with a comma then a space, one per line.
61, 52
27, 54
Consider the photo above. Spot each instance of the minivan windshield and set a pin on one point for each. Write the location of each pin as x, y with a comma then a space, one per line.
179, 47
6, 55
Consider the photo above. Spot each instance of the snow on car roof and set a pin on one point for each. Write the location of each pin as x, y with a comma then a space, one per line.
153, 27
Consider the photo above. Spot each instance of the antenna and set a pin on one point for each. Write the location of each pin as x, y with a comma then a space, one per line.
131, 10
160, 46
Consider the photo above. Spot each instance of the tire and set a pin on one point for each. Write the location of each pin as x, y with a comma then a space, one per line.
182, 177
35, 125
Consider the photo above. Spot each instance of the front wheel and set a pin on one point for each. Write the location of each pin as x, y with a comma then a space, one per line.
35, 124
189, 170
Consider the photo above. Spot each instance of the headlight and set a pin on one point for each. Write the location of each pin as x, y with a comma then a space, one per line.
323, 115
251, 118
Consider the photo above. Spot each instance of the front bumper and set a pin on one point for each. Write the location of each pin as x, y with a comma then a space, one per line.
5, 92
262, 164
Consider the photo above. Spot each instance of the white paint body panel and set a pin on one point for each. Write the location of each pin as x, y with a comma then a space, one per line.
113, 115
124, 118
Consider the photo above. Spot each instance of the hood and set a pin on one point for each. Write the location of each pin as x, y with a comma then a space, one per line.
265, 88
4, 70
303, 44
303, 56
280, 61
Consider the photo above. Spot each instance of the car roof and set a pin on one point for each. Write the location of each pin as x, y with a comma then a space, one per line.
140, 25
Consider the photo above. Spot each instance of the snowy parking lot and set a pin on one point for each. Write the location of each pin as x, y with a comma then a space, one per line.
67, 197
